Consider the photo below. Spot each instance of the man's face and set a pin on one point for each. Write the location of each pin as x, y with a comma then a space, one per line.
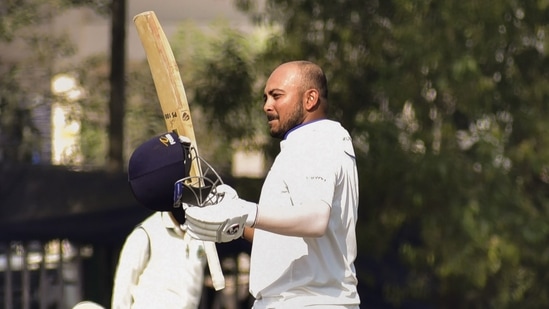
283, 100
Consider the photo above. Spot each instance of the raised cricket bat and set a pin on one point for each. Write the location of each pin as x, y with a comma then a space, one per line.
174, 104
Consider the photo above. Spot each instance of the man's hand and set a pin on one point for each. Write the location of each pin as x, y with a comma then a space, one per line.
222, 222
226, 192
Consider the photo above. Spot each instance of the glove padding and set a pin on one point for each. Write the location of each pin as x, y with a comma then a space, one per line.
222, 222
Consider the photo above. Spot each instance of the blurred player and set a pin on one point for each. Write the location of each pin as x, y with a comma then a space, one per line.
160, 266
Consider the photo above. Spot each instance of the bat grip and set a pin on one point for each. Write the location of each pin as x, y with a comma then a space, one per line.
218, 280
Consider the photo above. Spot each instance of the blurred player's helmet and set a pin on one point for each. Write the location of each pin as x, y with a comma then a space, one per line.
159, 175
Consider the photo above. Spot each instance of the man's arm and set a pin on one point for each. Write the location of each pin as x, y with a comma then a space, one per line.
306, 220
248, 234
227, 220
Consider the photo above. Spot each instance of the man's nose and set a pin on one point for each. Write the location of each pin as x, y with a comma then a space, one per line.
267, 106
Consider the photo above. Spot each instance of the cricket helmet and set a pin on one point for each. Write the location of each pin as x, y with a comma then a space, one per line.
159, 175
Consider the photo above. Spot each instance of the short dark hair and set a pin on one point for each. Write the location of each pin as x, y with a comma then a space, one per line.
314, 77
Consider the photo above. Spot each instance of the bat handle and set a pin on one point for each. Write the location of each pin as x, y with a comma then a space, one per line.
218, 279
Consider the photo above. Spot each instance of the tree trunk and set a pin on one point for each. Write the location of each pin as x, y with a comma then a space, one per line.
115, 158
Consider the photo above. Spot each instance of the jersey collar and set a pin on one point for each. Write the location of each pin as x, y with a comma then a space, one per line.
299, 126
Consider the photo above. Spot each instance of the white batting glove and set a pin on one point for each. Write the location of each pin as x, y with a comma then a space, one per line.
222, 222
226, 191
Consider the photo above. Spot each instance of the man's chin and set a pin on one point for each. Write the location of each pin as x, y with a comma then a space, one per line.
276, 133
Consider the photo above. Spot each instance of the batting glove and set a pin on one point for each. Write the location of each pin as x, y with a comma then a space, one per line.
226, 191
222, 222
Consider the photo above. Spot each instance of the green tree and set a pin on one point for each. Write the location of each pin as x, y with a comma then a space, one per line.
217, 68
447, 105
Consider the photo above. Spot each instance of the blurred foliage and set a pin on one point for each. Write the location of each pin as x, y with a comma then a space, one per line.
143, 117
447, 102
217, 68
23, 93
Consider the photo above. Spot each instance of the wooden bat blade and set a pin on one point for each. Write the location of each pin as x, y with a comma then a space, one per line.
167, 79
174, 105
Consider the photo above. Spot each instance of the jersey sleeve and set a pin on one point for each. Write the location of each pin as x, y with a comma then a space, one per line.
131, 263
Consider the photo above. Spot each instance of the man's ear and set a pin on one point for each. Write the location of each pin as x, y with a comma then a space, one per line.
312, 99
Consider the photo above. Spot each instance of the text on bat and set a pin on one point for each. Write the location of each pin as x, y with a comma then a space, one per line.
171, 115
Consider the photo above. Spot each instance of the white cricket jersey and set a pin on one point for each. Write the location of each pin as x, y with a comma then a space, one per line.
160, 266
316, 164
